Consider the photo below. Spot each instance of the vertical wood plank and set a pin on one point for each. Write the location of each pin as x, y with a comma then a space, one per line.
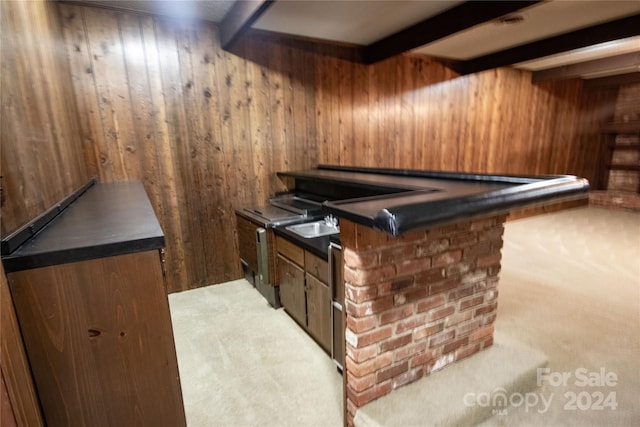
41, 159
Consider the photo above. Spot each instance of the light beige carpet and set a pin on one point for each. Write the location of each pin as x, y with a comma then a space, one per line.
570, 287
242, 363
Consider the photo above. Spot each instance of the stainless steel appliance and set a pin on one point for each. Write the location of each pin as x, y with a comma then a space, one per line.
336, 284
257, 248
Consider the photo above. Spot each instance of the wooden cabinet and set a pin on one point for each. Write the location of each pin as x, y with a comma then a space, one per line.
92, 309
319, 311
304, 290
292, 292
258, 257
99, 339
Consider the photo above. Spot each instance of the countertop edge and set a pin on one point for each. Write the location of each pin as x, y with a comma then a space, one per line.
19, 263
397, 221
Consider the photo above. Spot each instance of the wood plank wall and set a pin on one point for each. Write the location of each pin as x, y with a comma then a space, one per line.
410, 112
41, 155
206, 130
203, 129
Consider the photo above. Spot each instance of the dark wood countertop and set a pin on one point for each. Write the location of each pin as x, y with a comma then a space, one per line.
397, 201
107, 220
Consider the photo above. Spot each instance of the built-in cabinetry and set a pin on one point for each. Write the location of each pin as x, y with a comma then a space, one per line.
91, 304
258, 257
100, 342
304, 290
336, 284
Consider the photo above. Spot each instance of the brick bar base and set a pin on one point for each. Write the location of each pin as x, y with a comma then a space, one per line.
416, 303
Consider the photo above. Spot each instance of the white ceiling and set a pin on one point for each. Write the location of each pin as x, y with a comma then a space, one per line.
540, 21
363, 22
208, 10
599, 51
357, 22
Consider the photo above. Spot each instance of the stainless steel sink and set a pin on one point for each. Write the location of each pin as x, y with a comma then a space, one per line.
314, 229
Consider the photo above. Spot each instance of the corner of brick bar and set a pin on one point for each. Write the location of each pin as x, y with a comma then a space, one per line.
416, 303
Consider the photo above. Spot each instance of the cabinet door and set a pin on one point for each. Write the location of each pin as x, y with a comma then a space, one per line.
292, 294
319, 311
99, 338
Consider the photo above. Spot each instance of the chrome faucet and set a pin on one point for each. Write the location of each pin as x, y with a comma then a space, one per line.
331, 221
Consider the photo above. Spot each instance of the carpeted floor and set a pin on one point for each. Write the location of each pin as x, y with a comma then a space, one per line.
242, 363
570, 286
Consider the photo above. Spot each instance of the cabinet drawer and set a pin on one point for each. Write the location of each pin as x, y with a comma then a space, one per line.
317, 266
290, 250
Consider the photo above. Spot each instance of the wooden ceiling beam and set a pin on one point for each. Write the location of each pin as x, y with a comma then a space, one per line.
625, 63
239, 19
461, 17
614, 30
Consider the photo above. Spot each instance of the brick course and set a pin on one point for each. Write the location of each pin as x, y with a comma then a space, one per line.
416, 303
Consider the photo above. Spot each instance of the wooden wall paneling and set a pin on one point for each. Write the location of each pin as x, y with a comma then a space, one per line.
260, 119
475, 133
323, 108
359, 152
277, 107
192, 147
371, 155
222, 261
332, 109
344, 148
239, 130
14, 366
81, 70
178, 138
40, 150
287, 64
596, 108
168, 206
310, 137
411, 109
119, 160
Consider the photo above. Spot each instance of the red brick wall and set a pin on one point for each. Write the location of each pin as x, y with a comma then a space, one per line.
416, 303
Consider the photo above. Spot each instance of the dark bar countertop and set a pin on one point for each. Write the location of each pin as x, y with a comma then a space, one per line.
396, 201
107, 220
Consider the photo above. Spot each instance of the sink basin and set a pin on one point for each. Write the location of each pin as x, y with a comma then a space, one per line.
314, 229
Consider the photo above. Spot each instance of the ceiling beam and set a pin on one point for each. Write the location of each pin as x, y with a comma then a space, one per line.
240, 17
347, 51
619, 29
461, 17
625, 63
612, 81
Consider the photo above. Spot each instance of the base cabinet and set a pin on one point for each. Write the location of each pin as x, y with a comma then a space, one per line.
304, 291
292, 292
100, 343
319, 311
